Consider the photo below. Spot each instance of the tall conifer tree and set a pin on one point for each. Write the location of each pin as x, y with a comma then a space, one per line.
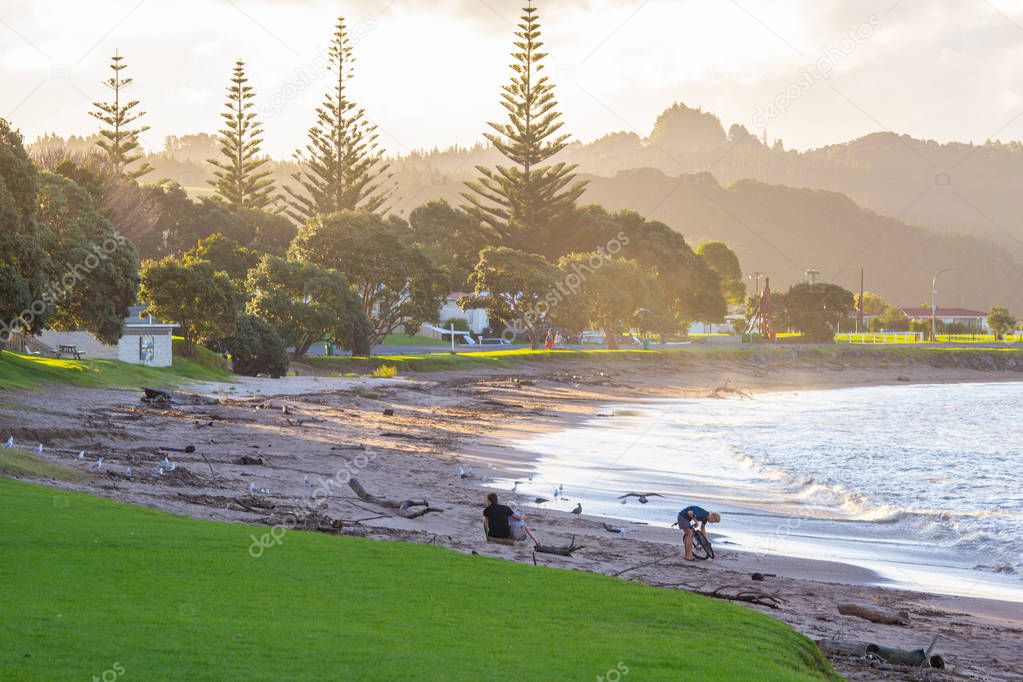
343, 168
118, 140
242, 179
525, 200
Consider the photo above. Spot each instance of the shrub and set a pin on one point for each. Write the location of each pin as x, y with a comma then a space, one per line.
256, 348
385, 372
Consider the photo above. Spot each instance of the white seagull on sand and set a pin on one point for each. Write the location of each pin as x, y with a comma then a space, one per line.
95, 466
39, 449
9, 443
81, 455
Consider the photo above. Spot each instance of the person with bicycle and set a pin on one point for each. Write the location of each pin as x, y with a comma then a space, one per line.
687, 519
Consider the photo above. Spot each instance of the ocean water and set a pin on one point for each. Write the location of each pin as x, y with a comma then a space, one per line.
920, 483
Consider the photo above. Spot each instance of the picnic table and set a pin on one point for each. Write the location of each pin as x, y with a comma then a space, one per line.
69, 350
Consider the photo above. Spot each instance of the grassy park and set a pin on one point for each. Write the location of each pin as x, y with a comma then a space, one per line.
170, 598
33, 371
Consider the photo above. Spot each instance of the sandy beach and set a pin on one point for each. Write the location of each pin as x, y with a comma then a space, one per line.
406, 438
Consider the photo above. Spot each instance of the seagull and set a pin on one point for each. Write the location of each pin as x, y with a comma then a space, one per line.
173, 466
95, 466
561, 488
621, 532
306, 480
642, 497
166, 464
81, 455
159, 471
330, 484
127, 472
9, 443
531, 477
578, 508
252, 487
39, 449
515, 488
463, 472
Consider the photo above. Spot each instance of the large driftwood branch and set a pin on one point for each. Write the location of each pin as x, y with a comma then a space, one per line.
913, 658
744, 594
563, 550
874, 614
403, 507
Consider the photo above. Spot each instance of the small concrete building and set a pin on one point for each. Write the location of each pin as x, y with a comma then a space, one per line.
146, 341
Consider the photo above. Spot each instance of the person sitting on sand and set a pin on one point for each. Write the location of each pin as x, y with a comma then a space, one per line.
496, 519
519, 529
694, 513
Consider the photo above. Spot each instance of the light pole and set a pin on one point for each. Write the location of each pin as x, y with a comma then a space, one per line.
755, 276
934, 292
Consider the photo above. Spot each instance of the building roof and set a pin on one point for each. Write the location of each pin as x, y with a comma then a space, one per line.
944, 312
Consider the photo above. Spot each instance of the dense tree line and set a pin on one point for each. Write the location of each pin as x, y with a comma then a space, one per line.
255, 269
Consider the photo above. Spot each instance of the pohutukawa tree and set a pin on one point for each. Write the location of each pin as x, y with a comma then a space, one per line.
242, 179
525, 200
343, 167
118, 140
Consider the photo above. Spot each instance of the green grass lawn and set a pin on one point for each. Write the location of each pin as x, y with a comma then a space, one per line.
89, 584
674, 358
18, 462
34, 371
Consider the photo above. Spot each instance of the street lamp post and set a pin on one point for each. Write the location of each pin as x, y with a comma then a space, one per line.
934, 292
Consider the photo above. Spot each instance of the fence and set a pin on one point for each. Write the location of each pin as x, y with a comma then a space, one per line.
881, 338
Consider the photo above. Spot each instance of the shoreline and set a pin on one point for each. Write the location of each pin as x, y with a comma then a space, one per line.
442, 420
937, 578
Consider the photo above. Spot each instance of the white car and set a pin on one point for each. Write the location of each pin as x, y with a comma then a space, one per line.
495, 342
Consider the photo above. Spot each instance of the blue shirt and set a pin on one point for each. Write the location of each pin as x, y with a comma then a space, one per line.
699, 514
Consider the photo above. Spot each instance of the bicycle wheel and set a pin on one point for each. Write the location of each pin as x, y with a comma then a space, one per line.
701, 546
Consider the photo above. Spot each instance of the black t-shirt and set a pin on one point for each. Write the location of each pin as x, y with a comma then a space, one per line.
498, 515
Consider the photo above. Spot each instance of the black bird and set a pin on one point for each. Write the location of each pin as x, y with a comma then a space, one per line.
578, 509
642, 497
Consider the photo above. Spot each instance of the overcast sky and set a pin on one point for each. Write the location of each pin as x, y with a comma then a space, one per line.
429, 71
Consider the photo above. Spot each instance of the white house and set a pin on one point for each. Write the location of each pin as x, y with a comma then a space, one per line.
145, 341
477, 317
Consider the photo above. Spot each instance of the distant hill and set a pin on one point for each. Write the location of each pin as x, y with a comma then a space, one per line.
783, 231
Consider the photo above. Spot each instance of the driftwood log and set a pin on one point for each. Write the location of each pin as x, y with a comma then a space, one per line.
874, 614
745, 594
913, 658
563, 550
403, 507
161, 397
727, 388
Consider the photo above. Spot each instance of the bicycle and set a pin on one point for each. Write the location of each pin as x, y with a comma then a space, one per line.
702, 548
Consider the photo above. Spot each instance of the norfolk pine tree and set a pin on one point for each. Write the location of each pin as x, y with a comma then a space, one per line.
241, 179
118, 140
524, 201
343, 168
